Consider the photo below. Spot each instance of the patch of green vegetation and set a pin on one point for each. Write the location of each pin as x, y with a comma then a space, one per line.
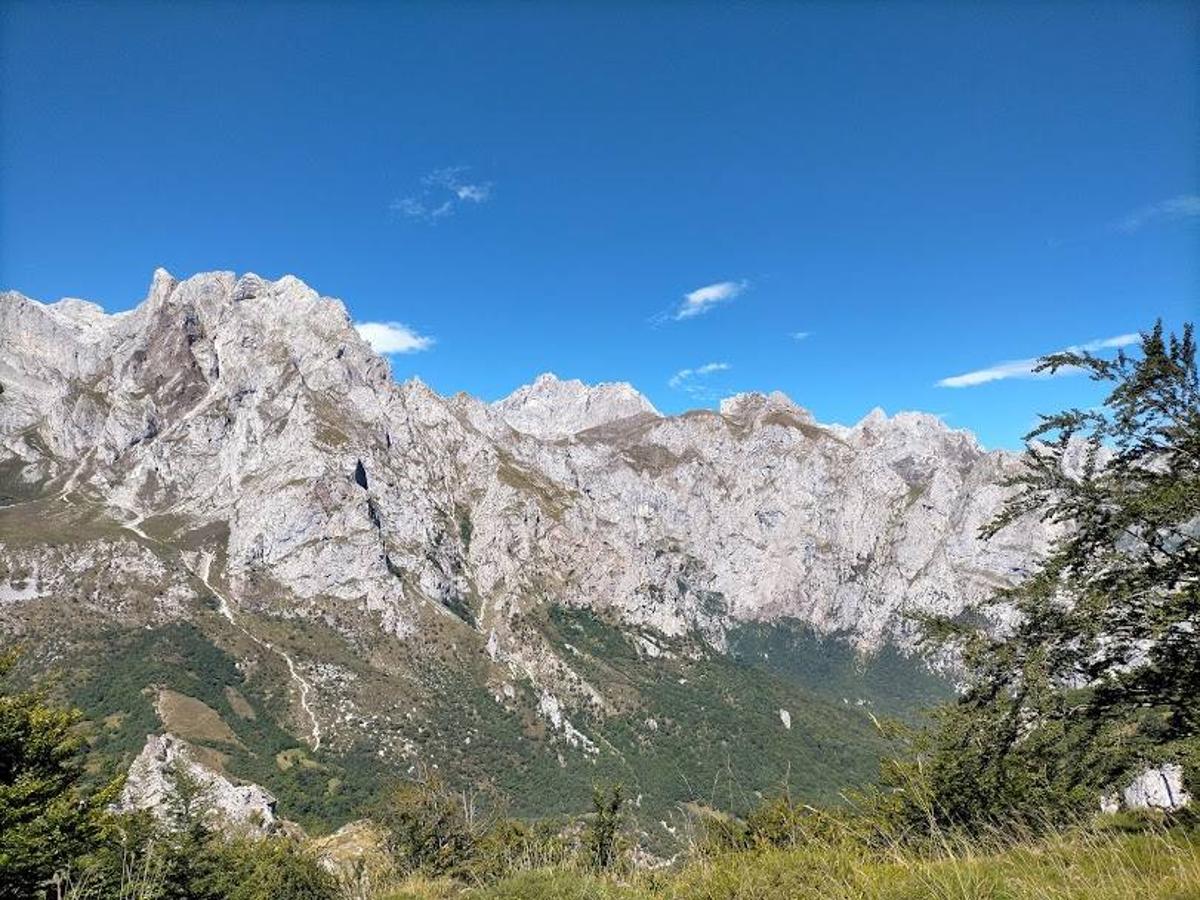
548, 496
46, 522
886, 682
691, 726
119, 686
465, 528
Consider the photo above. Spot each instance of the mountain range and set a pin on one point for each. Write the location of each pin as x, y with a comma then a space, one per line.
220, 516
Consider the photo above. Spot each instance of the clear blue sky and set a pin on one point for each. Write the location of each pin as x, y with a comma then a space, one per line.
925, 190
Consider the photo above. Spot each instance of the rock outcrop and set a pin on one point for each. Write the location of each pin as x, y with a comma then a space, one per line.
551, 408
1156, 787
168, 774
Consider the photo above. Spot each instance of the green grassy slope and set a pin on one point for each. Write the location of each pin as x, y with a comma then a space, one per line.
688, 726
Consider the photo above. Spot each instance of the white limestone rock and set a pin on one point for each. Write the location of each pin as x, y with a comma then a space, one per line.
153, 778
552, 408
1157, 787
249, 407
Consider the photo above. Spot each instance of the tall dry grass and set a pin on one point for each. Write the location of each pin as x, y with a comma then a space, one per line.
1075, 864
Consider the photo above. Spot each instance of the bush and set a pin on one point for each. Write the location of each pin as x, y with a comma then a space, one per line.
47, 819
605, 829
270, 870
428, 827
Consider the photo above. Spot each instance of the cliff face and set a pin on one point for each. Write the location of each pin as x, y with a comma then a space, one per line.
233, 446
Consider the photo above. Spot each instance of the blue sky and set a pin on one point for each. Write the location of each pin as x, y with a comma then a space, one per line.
847, 202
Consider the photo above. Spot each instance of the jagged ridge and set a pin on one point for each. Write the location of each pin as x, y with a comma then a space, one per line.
242, 427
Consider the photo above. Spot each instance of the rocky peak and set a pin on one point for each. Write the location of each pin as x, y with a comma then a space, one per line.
908, 432
553, 408
162, 283
754, 408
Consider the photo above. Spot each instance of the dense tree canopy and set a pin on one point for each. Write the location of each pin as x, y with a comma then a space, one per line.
46, 819
1097, 671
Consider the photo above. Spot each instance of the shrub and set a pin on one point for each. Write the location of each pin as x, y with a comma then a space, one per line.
430, 828
46, 817
605, 829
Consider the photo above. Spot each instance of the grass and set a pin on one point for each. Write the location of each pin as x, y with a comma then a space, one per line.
1094, 867
1086, 865
193, 720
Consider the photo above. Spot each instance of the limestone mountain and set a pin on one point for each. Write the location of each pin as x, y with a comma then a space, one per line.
553, 408
223, 493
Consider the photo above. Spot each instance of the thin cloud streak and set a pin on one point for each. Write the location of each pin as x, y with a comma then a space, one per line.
1023, 368
442, 192
1173, 209
392, 337
684, 377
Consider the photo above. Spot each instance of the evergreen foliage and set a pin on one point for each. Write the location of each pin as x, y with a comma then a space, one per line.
46, 817
1099, 674
605, 830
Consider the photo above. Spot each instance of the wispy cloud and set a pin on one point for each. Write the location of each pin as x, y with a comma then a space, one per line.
1174, 209
392, 337
441, 193
800, 335
1023, 368
702, 299
692, 381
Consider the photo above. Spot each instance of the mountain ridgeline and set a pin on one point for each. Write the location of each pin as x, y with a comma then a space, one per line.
220, 516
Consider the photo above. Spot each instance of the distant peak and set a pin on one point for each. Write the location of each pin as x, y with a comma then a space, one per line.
753, 403
905, 419
551, 407
874, 418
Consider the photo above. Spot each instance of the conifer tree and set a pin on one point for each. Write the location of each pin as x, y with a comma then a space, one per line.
1097, 673
46, 818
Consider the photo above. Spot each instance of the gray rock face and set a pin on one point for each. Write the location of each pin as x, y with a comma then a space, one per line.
244, 424
551, 408
1157, 787
154, 779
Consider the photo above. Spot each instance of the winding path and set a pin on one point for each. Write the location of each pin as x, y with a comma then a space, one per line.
226, 609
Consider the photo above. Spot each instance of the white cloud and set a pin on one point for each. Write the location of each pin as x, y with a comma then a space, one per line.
408, 206
702, 299
392, 337
684, 378
800, 335
1023, 368
1121, 340
1174, 209
476, 193
442, 192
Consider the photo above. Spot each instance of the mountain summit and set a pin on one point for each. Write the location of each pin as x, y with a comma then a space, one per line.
415, 576
552, 408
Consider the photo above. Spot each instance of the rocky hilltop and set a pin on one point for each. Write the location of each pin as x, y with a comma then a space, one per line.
553, 408
232, 456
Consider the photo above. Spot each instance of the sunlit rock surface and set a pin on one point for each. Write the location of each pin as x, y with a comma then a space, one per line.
242, 430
